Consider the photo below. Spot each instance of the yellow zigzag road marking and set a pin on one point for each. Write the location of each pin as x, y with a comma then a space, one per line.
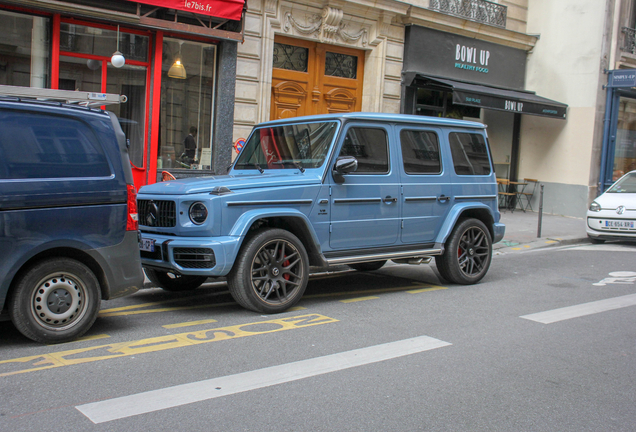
161, 343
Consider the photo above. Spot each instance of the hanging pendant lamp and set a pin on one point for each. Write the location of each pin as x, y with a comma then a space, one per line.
117, 59
177, 70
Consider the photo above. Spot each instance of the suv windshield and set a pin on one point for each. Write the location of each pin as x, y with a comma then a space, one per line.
625, 185
302, 145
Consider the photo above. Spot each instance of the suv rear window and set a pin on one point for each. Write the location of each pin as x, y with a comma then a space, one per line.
43, 146
470, 154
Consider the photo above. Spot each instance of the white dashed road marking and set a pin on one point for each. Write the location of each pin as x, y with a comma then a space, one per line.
141, 403
584, 309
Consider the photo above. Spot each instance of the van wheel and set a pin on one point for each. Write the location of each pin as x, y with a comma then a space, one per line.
368, 266
271, 272
55, 301
174, 282
468, 253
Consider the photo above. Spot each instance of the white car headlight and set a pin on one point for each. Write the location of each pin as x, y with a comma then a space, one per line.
198, 213
595, 207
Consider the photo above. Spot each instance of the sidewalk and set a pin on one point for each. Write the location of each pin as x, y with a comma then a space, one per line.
522, 229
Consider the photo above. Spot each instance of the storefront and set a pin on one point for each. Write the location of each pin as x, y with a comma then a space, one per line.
619, 136
448, 75
178, 71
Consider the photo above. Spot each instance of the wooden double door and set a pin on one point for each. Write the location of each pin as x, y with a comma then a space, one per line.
314, 78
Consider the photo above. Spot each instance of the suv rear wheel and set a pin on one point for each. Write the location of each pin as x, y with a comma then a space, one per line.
468, 253
55, 301
271, 272
174, 282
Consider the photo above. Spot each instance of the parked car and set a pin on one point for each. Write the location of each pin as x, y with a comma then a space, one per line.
612, 215
355, 189
69, 221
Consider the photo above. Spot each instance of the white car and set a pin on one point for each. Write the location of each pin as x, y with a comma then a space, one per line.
612, 215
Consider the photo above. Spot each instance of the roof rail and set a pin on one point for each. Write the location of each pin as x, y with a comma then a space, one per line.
87, 99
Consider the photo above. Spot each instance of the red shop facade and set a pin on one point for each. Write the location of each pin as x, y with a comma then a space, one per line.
178, 72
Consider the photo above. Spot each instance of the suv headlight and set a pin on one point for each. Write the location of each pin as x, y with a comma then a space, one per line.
198, 213
595, 206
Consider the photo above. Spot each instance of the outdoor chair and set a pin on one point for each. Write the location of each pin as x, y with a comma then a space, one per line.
524, 197
505, 196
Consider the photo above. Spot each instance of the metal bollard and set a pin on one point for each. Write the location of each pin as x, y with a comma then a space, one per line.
540, 212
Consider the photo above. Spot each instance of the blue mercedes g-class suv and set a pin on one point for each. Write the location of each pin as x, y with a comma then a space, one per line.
69, 231
355, 189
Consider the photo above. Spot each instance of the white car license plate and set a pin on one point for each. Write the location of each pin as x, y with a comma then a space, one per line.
147, 245
618, 224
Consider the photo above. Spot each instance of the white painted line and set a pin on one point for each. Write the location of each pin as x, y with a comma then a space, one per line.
155, 400
584, 309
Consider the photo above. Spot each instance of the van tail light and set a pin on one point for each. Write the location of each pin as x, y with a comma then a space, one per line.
133, 218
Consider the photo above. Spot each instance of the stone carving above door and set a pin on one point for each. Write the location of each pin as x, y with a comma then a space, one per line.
328, 28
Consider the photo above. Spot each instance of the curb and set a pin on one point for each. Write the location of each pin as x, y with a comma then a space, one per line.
512, 246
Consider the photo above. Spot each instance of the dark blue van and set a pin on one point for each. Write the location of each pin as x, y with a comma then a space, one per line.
68, 217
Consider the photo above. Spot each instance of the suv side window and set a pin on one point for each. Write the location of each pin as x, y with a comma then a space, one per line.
43, 146
420, 152
370, 147
470, 154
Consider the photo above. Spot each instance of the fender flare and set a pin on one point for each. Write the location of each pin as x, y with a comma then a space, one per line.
454, 215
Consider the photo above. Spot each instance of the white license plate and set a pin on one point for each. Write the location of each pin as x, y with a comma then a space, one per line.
147, 245
619, 224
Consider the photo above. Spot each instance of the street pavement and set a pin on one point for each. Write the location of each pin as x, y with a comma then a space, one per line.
522, 231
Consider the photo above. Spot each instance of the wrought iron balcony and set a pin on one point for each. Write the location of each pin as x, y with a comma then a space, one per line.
629, 45
481, 11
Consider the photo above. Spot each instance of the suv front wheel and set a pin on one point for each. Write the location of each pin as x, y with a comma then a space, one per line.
271, 272
467, 254
55, 301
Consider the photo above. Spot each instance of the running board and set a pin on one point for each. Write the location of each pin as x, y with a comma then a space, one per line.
422, 253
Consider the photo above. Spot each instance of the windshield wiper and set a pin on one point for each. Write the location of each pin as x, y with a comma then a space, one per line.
247, 165
293, 162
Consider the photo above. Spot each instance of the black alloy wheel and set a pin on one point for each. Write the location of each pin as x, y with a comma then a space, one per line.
468, 253
271, 272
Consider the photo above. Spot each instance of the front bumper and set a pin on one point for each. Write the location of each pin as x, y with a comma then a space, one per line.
596, 229
499, 230
200, 256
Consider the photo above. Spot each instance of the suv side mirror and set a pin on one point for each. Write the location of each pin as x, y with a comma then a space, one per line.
344, 165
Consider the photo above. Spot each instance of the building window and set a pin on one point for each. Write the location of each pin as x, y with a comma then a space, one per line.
187, 94
24, 50
341, 65
291, 57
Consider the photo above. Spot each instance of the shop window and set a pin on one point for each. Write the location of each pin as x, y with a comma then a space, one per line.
420, 152
85, 54
470, 154
341, 65
24, 51
187, 89
50, 147
101, 42
625, 151
439, 103
291, 57
370, 147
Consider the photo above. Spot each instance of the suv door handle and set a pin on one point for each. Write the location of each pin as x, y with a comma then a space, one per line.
442, 198
389, 200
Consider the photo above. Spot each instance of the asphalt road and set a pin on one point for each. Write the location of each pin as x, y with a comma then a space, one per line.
546, 342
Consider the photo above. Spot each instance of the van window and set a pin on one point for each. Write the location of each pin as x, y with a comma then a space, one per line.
420, 152
43, 146
470, 154
370, 147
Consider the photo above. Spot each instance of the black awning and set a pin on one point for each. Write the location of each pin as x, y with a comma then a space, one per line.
482, 96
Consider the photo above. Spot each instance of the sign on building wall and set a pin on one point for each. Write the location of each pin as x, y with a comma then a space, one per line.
448, 55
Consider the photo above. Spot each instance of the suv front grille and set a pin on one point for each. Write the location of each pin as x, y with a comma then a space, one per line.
194, 257
160, 214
